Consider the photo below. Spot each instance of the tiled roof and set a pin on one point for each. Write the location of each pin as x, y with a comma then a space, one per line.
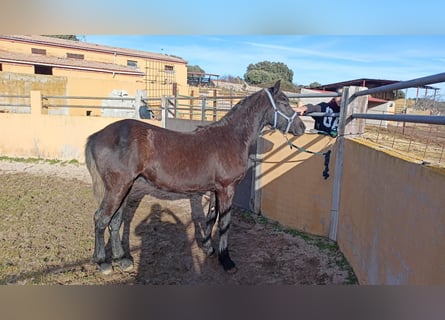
13, 57
51, 41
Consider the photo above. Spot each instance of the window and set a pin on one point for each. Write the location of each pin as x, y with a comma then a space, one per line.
38, 51
39, 69
132, 63
75, 56
169, 69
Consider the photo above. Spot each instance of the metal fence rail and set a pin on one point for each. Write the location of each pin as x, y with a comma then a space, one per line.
421, 136
401, 117
204, 108
440, 77
346, 105
9, 103
126, 98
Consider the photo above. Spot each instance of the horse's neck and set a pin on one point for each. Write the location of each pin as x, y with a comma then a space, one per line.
247, 120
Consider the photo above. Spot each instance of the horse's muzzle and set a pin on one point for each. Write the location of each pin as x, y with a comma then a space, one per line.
298, 127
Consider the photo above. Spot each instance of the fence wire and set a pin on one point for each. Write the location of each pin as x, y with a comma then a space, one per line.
426, 142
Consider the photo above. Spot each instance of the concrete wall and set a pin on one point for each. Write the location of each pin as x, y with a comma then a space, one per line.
15, 84
67, 83
392, 217
293, 189
48, 136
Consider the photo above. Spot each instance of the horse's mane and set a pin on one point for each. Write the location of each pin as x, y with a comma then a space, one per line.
238, 110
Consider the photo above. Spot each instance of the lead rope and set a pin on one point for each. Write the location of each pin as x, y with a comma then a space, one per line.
327, 156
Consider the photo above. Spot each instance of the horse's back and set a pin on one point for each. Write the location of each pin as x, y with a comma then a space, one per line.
119, 144
119, 133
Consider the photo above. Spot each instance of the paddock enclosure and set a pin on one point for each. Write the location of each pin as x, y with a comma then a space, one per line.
47, 237
384, 208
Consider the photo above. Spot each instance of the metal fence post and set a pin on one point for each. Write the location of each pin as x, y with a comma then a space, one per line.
36, 102
356, 104
349, 104
335, 204
203, 109
164, 111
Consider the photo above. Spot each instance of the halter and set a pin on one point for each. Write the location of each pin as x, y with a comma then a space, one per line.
278, 112
327, 154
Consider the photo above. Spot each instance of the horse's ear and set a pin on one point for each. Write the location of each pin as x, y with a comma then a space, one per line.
276, 87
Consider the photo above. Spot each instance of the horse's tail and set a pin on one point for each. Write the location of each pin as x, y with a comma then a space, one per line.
98, 185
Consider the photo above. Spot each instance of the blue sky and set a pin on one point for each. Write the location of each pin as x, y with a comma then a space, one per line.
321, 58
323, 41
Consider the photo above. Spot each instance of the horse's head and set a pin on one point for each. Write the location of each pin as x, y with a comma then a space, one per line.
282, 116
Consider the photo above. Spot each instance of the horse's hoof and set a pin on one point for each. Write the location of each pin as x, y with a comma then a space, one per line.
232, 270
226, 262
105, 268
125, 265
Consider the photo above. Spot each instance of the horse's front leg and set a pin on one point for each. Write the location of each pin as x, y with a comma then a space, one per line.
224, 203
210, 222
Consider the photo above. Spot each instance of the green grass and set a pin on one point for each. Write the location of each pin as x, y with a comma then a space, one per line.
39, 160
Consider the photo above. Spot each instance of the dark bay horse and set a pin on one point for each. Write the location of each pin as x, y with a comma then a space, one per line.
211, 158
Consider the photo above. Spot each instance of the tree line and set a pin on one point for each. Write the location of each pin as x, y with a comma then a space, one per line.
262, 74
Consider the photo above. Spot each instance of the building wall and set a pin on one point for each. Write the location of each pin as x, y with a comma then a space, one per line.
17, 68
81, 83
20, 84
157, 81
12, 83
67, 83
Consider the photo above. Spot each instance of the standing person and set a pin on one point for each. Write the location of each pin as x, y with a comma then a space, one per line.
326, 125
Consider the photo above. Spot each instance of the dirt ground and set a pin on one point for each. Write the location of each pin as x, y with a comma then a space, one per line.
46, 237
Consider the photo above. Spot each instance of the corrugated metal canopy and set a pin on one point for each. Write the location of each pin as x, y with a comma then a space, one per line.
362, 82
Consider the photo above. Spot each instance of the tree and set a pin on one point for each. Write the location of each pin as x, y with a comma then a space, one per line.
314, 84
257, 76
231, 79
195, 68
400, 94
267, 71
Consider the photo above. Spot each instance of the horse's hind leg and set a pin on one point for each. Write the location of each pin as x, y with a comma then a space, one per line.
224, 203
108, 207
101, 221
116, 244
210, 222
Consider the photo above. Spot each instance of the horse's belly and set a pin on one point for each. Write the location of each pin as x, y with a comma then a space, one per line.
181, 181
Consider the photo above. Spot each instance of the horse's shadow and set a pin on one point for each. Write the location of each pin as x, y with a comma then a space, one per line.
166, 247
